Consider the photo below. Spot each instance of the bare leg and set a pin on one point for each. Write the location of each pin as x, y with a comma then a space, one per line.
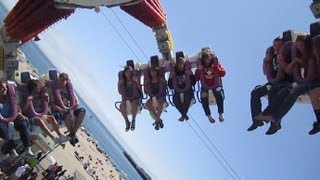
151, 108
79, 121
314, 96
160, 107
134, 109
68, 122
54, 124
43, 127
123, 110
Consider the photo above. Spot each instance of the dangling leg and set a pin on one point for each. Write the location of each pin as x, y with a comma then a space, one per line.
123, 110
79, 114
68, 121
255, 105
219, 95
188, 96
314, 95
44, 127
153, 113
205, 106
134, 110
52, 120
22, 127
178, 104
161, 102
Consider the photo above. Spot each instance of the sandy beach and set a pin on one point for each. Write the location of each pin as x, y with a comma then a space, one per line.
88, 155
85, 159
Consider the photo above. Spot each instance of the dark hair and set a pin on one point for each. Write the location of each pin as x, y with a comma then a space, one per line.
278, 39
32, 84
180, 60
154, 68
127, 68
64, 76
307, 44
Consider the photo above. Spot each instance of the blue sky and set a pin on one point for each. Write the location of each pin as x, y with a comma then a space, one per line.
89, 49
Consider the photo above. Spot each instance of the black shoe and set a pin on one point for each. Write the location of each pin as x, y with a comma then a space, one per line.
315, 129
74, 140
133, 125
157, 125
127, 126
181, 119
161, 124
255, 125
273, 129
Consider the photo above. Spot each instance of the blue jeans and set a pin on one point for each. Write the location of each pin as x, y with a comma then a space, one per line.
291, 98
219, 95
23, 127
4, 131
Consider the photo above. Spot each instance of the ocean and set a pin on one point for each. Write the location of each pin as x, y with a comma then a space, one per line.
93, 124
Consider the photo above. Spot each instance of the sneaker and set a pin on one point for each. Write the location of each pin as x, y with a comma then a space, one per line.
161, 124
14, 153
56, 140
186, 117
133, 125
211, 119
255, 125
221, 117
74, 140
29, 152
273, 129
63, 139
315, 129
157, 126
181, 119
127, 126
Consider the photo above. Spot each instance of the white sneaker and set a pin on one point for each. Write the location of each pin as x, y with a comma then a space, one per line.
63, 139
14, 153
29, 152
211, 119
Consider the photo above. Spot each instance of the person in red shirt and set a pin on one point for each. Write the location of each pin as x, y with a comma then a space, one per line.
209, 73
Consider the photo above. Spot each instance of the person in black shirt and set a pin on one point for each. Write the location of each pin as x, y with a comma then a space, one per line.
181, 81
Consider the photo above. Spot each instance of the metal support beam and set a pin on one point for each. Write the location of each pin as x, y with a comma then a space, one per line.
71, 4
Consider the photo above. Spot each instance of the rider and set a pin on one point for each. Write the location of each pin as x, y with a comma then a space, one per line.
209, 73
36, 95
129, 87
276, 78
79, 113
304, 73
20, 123
181, 76
156, 87
315, 93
